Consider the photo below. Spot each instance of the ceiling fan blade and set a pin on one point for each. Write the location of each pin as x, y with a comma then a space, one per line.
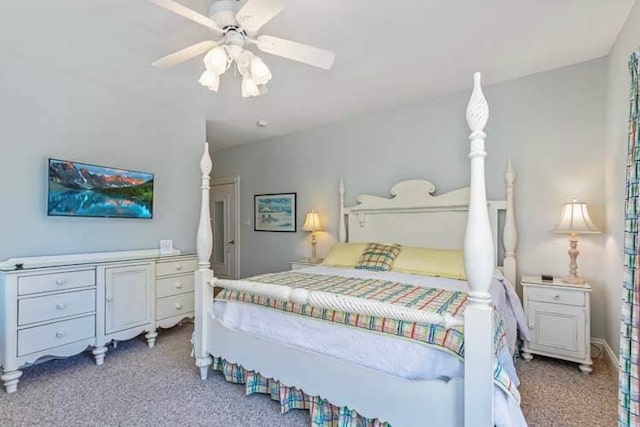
184, 11
184, 54
296, 51
255, 13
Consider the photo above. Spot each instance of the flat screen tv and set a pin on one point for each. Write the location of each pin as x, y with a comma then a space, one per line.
80, 189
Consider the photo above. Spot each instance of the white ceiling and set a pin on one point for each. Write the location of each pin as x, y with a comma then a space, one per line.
388, 53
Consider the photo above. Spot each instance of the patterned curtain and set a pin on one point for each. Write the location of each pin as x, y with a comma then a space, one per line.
629, 397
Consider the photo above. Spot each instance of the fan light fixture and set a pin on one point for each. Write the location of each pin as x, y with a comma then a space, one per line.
253, 70
232, 30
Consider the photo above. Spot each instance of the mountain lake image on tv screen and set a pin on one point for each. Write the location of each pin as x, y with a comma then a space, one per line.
80, 189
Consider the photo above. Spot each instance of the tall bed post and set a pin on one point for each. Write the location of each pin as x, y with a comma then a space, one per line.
510, 233
204, 274
342, 228
479, 263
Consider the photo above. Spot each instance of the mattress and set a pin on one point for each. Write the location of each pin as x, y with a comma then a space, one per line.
403, 358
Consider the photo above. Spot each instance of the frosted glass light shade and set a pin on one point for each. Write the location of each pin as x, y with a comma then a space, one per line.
575, 219
249, 88
210, 80
260, 73
312, 222
217, 60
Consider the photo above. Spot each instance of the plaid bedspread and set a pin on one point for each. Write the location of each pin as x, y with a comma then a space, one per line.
422, 298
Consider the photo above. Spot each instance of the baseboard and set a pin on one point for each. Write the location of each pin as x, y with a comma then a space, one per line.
607, 354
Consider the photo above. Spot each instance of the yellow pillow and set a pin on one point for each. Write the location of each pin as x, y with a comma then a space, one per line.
344, 254
430, 262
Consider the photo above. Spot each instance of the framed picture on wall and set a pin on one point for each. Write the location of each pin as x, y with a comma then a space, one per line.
275, 212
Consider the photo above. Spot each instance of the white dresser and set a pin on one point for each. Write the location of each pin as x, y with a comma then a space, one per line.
558, 319
58, 306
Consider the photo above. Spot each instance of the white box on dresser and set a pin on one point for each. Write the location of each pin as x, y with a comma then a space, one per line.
58, 306
558, 316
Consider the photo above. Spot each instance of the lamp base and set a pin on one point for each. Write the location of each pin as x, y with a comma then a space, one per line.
314, 260
574, 280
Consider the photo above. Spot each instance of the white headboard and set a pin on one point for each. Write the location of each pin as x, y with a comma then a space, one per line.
413, 216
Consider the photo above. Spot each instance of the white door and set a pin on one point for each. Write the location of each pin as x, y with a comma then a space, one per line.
224, 222
128, 297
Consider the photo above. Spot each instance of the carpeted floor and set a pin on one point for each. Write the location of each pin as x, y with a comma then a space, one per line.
139, 386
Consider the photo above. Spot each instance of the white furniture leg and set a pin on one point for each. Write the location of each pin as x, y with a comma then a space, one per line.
203, 363
586, 368
151, 338
10, 380
98, 354
528, 357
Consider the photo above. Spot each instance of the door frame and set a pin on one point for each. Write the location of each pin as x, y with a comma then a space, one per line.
235, 180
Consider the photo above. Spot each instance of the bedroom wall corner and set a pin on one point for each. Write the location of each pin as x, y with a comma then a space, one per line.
50, 112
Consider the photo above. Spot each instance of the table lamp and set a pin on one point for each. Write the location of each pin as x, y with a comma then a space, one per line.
574, 220
312, 224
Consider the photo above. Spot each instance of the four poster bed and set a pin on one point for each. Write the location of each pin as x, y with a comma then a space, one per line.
255, 326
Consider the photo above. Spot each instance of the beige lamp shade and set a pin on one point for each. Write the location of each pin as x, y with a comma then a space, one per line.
575, 220
312, 222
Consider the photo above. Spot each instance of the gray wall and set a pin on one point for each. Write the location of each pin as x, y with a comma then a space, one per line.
615, 142
551, 125
46, 112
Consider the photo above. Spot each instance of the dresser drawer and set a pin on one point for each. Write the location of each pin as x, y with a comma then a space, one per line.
174, 306
176, 267
559, 296
55, 281
39, 309
53, 335
174, 285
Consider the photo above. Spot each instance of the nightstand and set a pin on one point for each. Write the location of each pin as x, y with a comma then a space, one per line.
558, 319
303, 263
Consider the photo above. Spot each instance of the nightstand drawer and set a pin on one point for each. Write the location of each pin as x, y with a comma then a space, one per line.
557, 296
174, 285
56, 334
40, 309
55, 281
176, 267
303, 263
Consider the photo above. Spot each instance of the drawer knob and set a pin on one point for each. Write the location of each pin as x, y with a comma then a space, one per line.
531, 325
61, 282
178, 285
178, 267
60, 305
60, 334
178, 306
556, 297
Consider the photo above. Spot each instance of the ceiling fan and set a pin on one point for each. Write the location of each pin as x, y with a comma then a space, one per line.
233, 31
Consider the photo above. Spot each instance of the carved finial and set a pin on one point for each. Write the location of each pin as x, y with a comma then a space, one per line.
477, 109
510, 176
341, 187
205, 163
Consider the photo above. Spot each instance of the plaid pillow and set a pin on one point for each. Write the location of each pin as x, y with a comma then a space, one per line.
378, 257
